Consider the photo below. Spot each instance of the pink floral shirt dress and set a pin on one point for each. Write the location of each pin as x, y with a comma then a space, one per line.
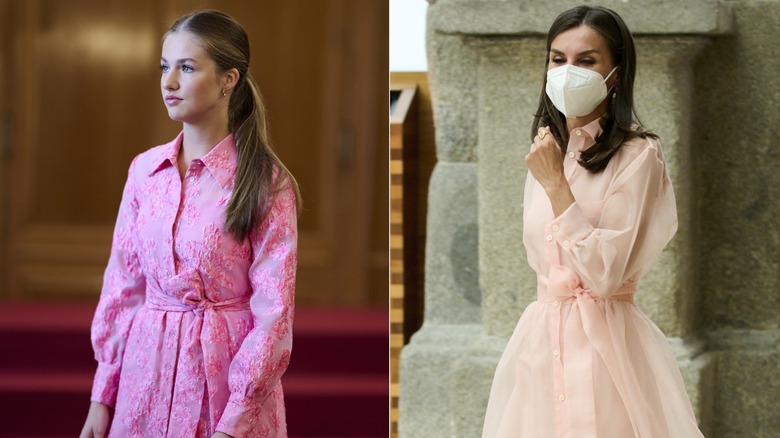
194, 329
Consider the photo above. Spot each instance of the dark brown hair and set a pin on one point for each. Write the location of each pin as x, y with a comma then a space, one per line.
260, 173
617, 123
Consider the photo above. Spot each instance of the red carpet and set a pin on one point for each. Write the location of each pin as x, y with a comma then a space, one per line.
336, 385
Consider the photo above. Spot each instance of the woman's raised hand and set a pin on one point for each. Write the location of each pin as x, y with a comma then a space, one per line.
98, 420
545, 160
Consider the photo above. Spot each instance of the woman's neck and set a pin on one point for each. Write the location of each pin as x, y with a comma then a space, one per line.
198, 140
579, 122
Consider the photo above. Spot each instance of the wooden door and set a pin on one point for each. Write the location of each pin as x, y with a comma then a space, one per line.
79, 97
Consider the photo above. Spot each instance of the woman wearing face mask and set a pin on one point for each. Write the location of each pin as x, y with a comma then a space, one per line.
194, 326
599, 208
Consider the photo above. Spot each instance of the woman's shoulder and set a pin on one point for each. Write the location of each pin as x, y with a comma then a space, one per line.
640, 144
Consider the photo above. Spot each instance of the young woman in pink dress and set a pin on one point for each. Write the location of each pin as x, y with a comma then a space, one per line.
193, 329
599, 208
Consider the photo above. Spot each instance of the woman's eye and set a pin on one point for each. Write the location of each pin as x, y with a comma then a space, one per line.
164, 68
587, 61
187, 69
558, 60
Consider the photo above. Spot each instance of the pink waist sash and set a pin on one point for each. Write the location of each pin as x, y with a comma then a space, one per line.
168, 303
185, 292
547, 293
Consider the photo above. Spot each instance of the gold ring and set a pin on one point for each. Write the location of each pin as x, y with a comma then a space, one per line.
541, 133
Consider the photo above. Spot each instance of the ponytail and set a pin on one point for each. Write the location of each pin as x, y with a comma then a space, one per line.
260, 173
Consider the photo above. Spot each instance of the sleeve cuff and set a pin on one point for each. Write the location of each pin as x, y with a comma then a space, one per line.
234, 420
106, 384
570, 227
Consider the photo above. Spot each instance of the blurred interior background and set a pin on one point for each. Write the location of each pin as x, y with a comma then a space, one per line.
80, 97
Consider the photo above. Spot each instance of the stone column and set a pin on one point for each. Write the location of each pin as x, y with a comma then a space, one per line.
669, 293
486, 61
737, 161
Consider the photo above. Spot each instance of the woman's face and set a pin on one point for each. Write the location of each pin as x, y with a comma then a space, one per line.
584, 47
191, 87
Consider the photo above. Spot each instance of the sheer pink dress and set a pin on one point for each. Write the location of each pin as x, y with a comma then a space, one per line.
194, 328
583, 361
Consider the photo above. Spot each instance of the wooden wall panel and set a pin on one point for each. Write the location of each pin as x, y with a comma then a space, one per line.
425, 160
404, 265
90, 63
412, 158
86, 100
84, 83
6, 61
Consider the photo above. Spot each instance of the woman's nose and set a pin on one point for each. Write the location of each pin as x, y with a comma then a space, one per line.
169, 81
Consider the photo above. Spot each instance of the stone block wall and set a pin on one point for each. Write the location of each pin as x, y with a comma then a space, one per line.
708, 86
736, 162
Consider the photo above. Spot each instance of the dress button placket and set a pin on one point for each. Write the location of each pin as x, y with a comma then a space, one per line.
561, 413
556, 310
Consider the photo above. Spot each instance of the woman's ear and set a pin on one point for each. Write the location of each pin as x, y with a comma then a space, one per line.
231, 79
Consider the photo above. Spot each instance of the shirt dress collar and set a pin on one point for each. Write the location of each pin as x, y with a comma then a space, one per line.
221, 161
584, 137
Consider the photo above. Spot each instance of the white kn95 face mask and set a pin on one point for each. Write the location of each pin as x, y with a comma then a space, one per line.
576, 91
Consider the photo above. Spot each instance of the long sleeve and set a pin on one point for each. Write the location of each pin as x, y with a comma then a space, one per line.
265, 353
638, 219
121, 296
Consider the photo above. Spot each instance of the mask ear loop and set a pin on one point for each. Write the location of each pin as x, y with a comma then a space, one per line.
610, 74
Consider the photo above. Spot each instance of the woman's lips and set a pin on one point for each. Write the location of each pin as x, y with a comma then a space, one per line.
172, 100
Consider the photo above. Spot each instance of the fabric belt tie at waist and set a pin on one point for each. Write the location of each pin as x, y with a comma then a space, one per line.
185, 292
585, 329
548, 294
199, 308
